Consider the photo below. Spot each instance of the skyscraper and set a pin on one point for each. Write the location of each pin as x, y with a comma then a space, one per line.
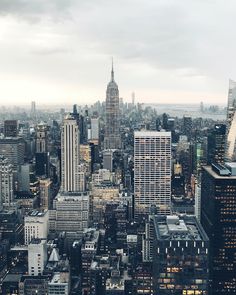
187, 126
216, 144
36, 226
14, 150
37, 257
112, 139
152, 171
41, 155
180, 260
230, 150
10, 128
70, 155
218, 211
6, 182
95, 129
33, 110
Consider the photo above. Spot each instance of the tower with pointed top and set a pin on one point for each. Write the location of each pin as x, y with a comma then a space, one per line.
112, 139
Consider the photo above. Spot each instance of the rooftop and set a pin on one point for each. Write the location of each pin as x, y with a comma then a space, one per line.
57, 279
148, 133
115, 283
36, 213
185, 228
219, 171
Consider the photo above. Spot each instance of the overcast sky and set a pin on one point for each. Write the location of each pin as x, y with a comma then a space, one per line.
166, 51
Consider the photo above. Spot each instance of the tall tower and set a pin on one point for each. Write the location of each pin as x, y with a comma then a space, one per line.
218, 211
6, 182
216, 144
41, 155
230, 149
10, 128
112, 139
152, 172
41, 138
33, 110
70, 156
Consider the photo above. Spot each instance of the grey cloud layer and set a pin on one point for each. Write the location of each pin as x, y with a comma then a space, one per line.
180, 40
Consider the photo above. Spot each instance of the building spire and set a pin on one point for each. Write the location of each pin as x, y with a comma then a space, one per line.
112, 70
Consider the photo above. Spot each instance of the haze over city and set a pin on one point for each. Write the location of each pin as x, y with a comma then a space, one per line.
166, 51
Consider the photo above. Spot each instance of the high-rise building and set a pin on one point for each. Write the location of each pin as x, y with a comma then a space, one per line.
187, 126
216, 144
11, 227
33, 110
41, 138
133, 98
45, 192
180, 261
37, 257
230, 150
6, 182
70, 155
152, 171
108, 160
70, 214
36, 226
165, 121
41, 155
95, 129
112, 139
89, 249
10, 128
218, 211
14, 150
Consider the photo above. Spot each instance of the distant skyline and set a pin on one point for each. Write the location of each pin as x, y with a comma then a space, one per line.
166, 51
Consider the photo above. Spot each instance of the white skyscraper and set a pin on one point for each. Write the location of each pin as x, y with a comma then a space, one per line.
37, 257
6, 182
95, 128
70, 156
36, 226
152, 172
230, 149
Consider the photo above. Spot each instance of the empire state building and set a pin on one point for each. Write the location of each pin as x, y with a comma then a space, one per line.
112, 139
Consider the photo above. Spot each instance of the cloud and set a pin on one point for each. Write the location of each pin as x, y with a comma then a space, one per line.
162, 45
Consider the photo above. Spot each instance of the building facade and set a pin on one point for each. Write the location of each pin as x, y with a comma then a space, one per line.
36, 226
37, 257
216, 144
218, 211
10, 128
70, 155
6, 182
42, 155
180, 256
70, 214
13, 148
230, 149
152, 172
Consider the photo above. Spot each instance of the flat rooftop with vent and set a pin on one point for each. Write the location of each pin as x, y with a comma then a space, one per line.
175, 227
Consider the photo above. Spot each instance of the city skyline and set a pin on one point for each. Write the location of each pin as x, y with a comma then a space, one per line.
163, 51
